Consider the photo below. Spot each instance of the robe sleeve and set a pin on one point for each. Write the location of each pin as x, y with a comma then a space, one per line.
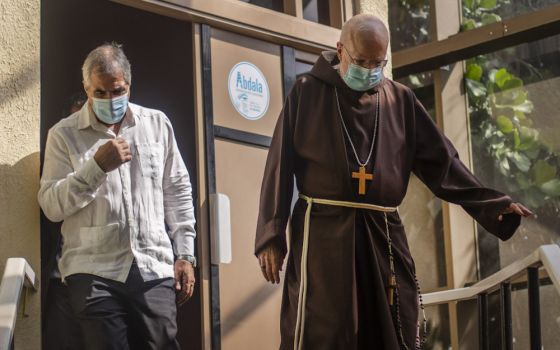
436, 163
278, 181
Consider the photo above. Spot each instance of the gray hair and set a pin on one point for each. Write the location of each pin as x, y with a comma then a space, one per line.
106, 59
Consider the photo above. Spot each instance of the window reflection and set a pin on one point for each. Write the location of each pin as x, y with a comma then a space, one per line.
421, 211
409, 22
514, 99
479, 13
316, 11
276, 5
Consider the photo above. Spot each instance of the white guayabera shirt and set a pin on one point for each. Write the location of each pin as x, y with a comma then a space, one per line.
142, 210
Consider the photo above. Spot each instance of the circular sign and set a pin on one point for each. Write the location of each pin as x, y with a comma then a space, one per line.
248, 90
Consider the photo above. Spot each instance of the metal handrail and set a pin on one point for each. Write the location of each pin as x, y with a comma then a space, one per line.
18, 275
547, 256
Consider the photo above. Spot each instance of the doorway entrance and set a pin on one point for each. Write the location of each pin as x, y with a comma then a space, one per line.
160, 51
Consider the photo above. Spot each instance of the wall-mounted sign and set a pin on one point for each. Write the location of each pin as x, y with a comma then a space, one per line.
248, 90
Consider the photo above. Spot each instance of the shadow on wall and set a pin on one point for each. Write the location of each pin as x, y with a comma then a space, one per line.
23, 79
19, 210
246, 308
19, 234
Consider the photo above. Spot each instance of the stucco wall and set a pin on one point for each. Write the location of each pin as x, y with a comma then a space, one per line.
19, 148
379, 8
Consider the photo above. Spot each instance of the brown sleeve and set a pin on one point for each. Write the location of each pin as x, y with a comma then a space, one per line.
278, 181
437, 164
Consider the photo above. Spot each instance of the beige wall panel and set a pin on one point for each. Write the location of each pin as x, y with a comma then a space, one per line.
250, 307
452, 107
421, 214
19, 149
228, 49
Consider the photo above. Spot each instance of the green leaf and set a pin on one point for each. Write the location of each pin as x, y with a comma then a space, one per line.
504, 167
476, 88
521, 161
501, 77
489, 18
525, 107
468, 3
551, 188
543, 172
522, 180
492, 75
520, 97
504, 124
516, 141
488, 4
474, 72
512, 83
469, 24
415, 81
532, 151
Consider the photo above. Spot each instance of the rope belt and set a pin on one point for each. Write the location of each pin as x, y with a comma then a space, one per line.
302, 296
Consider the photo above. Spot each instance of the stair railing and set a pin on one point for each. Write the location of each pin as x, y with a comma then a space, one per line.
18, 277
546, 257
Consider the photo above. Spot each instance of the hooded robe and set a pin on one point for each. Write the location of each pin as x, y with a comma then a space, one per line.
348, 260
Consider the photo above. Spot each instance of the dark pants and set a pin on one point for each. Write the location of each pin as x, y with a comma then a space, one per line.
62, 331
130, 315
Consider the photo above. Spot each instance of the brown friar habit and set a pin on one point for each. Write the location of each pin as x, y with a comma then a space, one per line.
348, 266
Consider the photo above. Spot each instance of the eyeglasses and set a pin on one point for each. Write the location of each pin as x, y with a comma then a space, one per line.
366, 63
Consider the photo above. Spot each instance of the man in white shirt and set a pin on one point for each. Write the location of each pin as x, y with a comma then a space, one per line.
114, 175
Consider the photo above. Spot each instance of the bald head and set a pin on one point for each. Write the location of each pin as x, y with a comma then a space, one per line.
363, 41
362, 31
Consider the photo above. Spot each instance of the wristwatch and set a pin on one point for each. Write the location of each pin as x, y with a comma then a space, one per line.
189, 258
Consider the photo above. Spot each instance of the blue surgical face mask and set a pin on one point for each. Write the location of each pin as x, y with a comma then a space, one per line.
362, 79
110, 111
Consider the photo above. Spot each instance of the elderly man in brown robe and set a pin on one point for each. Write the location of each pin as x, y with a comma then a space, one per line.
352, 138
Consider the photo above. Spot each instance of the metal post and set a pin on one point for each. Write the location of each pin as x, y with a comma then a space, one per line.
534, 308
507, 328
483, 322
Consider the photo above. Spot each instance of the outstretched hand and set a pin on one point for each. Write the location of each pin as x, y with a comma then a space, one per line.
516, 208
270, 261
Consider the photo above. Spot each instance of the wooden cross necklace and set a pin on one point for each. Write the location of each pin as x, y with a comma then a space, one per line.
361, 175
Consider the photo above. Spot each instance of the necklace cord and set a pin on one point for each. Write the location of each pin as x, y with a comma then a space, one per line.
348, 134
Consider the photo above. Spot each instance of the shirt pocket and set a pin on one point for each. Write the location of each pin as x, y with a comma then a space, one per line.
150, 157
100, 240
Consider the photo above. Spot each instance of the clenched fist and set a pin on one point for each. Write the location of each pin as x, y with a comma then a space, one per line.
112, 154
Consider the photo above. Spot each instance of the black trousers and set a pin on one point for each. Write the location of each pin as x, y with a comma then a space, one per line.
130, 315
62, 331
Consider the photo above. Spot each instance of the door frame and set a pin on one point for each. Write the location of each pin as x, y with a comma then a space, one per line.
211, 132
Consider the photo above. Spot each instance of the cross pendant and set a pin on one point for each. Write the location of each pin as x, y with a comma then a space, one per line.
362, 176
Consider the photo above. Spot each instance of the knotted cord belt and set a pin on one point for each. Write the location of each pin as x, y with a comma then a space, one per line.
302, 296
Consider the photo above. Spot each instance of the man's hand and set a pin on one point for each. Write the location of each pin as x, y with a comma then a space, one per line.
516, 208
184, 280
270, 261
113, 154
